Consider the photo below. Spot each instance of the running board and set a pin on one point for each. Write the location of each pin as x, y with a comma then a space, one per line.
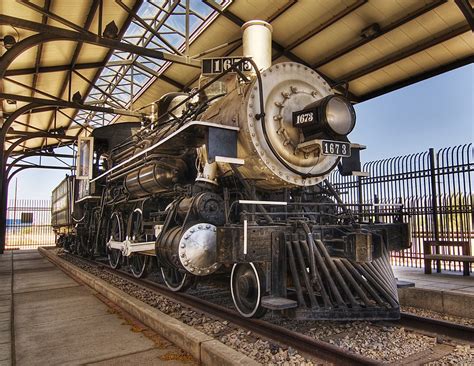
278, 303
127, 247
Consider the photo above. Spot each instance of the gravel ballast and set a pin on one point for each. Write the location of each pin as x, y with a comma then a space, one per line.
384, 343
239, 339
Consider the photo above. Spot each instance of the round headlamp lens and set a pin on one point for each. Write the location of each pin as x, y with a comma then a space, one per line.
340, 115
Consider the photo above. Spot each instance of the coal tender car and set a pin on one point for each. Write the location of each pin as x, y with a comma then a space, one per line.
230, 180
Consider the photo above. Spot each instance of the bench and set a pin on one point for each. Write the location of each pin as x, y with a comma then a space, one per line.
466, 258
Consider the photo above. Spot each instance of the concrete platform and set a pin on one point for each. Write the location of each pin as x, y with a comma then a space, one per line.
57, 321
447, 292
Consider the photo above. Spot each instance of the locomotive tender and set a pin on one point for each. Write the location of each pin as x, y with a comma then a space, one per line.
230, 180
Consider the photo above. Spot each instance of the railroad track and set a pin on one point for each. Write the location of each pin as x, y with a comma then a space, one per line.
307, 345
437, 327
302, 343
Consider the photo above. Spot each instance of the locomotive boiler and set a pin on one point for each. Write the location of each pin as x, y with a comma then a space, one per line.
230, 180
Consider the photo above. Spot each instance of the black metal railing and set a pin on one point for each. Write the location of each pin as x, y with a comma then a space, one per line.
435, 191
29, 224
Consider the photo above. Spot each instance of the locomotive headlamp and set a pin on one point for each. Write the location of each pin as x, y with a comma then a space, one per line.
339, 115
333, 114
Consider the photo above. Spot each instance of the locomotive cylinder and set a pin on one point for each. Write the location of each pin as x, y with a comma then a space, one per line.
192, 249
204, 207
156, 177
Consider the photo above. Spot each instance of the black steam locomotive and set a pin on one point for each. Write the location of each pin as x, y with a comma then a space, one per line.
230, 180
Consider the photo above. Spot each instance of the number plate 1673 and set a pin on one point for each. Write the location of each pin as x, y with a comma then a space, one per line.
336, 148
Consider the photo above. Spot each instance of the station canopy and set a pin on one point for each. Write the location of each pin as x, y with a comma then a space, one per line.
364, 48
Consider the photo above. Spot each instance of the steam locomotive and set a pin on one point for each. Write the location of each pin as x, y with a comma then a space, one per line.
230, 180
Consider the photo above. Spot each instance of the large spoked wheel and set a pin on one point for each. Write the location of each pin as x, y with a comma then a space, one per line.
138, 265
176, 280
138, 262
247, 288
116, 234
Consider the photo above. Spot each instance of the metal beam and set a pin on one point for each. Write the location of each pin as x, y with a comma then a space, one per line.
149, 28
75, 56
30, 135
51, 15
467, 10
45, 166
58, 68
31, 88
3, 163
388, 28
64, 104
39, 110
400, 55
25, 138
412, 80
39, 53
25, 44
122, 31
160, 76
280, 11
17, 159
118, 102
67, 35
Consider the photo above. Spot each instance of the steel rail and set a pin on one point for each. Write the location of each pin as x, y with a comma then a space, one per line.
300, 342
438, 326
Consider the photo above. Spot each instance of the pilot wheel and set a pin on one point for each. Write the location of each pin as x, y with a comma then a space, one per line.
247, 288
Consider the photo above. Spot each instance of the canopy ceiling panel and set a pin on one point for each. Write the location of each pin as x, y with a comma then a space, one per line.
91, 53
57, 53
73, 11
261, 9
419, 63
25, 60
368, 46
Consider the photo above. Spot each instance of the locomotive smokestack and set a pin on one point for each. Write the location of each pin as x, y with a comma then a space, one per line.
257, 42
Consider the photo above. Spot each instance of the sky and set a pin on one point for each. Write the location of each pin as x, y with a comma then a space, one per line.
437, 112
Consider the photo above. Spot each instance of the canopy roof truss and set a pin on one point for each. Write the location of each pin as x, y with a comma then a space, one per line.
363, 48
69, 66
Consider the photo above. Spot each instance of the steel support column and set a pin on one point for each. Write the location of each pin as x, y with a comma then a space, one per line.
3, 164
35, 103
7, 175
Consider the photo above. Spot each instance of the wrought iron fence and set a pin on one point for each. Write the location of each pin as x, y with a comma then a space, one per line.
29, 224
434, 189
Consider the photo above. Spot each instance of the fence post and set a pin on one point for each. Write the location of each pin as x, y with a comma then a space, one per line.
376, 209
434, 204
359, 193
